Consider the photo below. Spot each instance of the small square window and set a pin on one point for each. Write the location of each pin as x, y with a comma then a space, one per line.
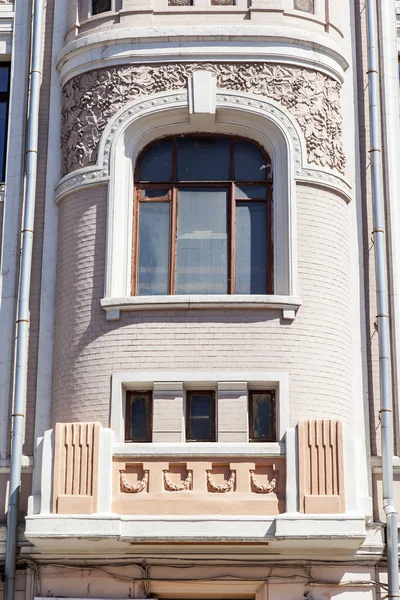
262, 416
138, 417
100, 6
200, 416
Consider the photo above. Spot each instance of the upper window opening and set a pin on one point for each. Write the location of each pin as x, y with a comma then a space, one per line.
4, 107
262, 419
100, 6
203, 218
138, 417
200, 417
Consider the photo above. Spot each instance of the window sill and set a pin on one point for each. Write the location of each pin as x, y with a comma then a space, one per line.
202, 449
288, 304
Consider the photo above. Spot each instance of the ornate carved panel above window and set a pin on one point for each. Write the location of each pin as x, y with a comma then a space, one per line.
180, 2
304, 5
91, 99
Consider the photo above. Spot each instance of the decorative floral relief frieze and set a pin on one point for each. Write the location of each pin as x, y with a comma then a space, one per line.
91, 99
135, 488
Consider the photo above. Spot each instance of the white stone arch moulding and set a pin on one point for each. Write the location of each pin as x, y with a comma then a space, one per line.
167, 113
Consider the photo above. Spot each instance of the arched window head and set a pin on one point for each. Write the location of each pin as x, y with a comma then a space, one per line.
100, 6
203, 218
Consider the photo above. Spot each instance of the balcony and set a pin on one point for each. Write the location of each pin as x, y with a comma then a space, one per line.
125, 494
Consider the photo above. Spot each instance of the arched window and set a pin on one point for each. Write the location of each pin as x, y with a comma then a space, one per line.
203, 218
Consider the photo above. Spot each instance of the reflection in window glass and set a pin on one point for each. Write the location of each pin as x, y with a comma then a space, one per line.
138, 416
250, 163
203, 159
202, 241
262, 416
156, 164
200, 416
153, 248
251, 248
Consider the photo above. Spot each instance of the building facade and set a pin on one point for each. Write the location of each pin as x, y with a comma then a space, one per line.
203, 392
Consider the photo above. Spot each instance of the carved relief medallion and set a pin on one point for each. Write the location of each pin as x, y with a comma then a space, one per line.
91, 99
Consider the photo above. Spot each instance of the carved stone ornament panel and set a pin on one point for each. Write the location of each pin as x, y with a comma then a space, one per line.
91, 99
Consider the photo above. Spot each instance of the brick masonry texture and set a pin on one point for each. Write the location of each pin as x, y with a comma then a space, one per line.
315, 348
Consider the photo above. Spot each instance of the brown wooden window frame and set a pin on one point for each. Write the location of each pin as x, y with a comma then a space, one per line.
251, 420
149, 416
189, 394
173, 201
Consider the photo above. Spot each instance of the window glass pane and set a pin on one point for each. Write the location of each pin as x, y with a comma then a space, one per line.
4, 77
251, 248
251, 191
100, 6
156, 163
202, 242
203, 159
249, 163
155, 193
153, 248
201, 415
3, 136
263, 416
139, 418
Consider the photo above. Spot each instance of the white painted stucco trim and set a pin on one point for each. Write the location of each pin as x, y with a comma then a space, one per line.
286, 45
121, 382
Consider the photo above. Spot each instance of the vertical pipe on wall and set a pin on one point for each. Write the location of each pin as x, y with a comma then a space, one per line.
382, 303
22, 327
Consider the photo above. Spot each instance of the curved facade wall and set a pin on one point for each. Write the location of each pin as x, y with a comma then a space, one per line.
315, 348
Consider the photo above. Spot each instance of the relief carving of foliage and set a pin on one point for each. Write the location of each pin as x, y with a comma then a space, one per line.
91, 99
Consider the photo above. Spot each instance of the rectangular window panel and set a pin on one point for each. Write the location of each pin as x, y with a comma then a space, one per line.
3, 137
262, 416
251, 192
138, 417
4, 77
249, 163
251, 248
203, 159
202, 241
156, 164
154, 243
100, 6
200, 416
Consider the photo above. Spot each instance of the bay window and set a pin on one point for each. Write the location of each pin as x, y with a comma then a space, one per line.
203, 218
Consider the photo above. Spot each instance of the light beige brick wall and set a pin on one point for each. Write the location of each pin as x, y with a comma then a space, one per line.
315, 348
167, 412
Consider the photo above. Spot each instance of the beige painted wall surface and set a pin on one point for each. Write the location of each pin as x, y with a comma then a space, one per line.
315, 348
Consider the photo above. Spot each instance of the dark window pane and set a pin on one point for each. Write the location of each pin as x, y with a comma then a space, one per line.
4, 77
262, 427
251, 248
156, 163
249, 163
257, 192
139, 414
201, 417
203, 159
202, 242
154, 236
155, 193
100, 6
3, 136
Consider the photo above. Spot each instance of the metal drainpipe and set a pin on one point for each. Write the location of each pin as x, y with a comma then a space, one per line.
382, 304
22, 327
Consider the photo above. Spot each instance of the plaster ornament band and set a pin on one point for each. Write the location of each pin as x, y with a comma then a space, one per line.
224, 487
304, 5
137, 487
178, 487
259, 488
91, 99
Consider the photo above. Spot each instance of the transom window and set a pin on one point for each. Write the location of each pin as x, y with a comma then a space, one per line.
203, 218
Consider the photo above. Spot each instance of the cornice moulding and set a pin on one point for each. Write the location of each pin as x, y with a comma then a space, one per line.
235, 42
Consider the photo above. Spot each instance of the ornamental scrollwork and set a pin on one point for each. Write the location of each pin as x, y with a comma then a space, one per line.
178, 487
258, 487
224, 487
137, 487
91, 99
